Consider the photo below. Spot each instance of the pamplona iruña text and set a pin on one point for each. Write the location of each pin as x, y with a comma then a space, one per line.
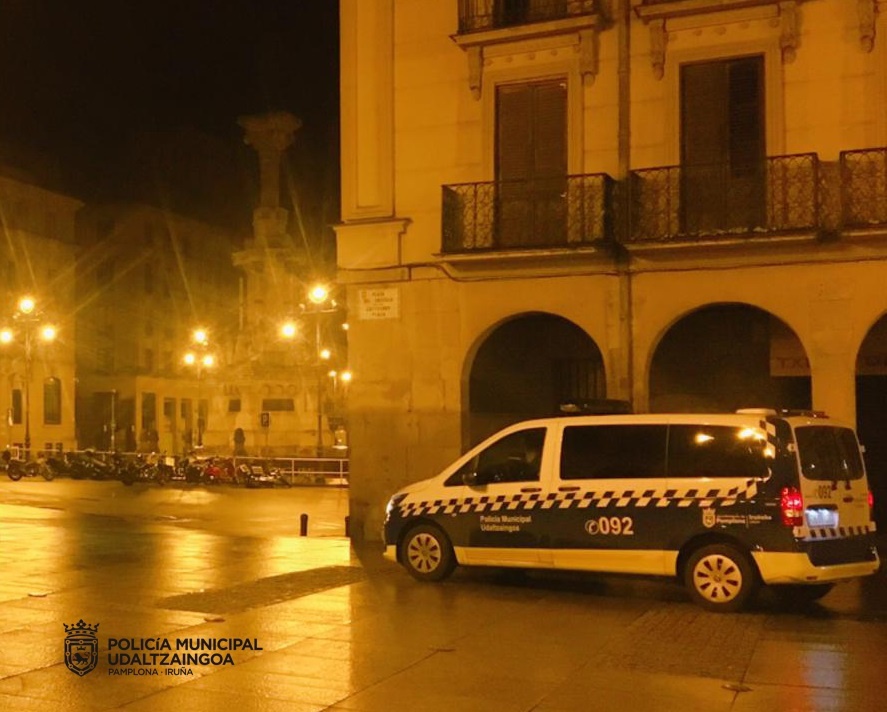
127, 652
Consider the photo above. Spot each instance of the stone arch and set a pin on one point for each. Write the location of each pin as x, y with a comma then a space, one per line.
871, 410
726, 355
522, 367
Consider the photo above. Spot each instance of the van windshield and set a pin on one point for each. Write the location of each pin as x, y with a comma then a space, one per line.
828, 453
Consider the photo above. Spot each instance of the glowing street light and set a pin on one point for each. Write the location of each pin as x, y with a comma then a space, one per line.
318, 303
31, 326
203, 360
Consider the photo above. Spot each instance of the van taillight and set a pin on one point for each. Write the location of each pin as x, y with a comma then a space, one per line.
871, 503
791, 505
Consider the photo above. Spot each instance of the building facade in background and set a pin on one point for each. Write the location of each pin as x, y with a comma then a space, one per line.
682, 204
37, 261
146, 279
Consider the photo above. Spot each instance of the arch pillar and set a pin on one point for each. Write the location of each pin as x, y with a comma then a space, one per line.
833, 374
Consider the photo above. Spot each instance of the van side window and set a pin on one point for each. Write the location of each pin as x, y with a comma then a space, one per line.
514, 458
715, 451
599, 452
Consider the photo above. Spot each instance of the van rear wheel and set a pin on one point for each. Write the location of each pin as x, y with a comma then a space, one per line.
720, 578
427, 554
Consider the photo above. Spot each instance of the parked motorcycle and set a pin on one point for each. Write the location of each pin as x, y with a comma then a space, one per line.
262, 474
220, 471
188, 470
16, 468
88, 465
135, 468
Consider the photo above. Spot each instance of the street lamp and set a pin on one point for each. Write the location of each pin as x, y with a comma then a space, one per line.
30, 326
319, 303
202, 359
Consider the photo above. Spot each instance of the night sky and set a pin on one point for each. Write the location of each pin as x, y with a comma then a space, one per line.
107, 99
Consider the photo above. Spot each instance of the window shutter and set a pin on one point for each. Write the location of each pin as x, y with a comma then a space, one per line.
514, 133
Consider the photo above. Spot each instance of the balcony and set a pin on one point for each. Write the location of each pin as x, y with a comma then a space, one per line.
795, 196
780, 195
562, 211
482, 15
864, 188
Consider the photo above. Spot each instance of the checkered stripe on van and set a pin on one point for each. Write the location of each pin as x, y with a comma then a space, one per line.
833, 532
694, 497
770, 429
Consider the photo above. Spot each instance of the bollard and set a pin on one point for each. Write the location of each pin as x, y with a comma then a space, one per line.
347, 526
303, 525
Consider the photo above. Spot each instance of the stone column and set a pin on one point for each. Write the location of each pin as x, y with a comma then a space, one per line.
270, 135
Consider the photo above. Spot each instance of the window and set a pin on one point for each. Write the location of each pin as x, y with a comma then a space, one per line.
234, 405
52, 401
531, 163
149, 411
597, 452
829, 453
169, 408
202, 411
17, 407
280, 404
722, 144
514, 458
715, 451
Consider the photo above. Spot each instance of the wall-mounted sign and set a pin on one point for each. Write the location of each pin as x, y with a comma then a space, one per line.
379, 303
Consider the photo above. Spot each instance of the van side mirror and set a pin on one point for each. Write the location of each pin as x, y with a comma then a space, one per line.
470, 479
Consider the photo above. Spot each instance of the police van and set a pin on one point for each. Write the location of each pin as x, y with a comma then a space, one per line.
724, 502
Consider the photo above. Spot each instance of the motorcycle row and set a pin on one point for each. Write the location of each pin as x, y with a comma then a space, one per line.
148, 468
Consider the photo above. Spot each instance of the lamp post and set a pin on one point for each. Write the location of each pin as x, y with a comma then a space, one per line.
319, 303
202, 359
30, 322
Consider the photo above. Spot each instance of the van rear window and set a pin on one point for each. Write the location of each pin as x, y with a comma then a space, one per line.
828, 453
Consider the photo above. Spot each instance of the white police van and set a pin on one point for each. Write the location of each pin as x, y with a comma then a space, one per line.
722, 501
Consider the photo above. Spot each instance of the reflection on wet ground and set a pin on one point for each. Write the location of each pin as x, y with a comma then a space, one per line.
331, 627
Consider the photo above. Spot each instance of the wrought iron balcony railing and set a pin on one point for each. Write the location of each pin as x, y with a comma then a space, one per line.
781, 194
864, 188
562, 211
479, 15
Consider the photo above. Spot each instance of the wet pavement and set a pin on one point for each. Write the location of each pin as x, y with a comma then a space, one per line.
290, 622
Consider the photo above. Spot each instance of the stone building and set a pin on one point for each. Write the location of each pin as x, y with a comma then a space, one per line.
36, 260
682, 203
146, 279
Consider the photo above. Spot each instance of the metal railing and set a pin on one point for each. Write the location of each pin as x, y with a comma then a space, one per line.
778, 195
864, 188
327, 471
479, 15
558, 211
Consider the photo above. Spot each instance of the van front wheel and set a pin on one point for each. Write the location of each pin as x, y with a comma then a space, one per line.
426, 554
720, 578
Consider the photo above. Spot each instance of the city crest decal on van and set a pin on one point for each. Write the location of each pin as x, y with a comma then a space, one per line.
709, 517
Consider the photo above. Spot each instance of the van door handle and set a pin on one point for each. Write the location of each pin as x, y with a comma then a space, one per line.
531, 489
848, 499
567, 489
